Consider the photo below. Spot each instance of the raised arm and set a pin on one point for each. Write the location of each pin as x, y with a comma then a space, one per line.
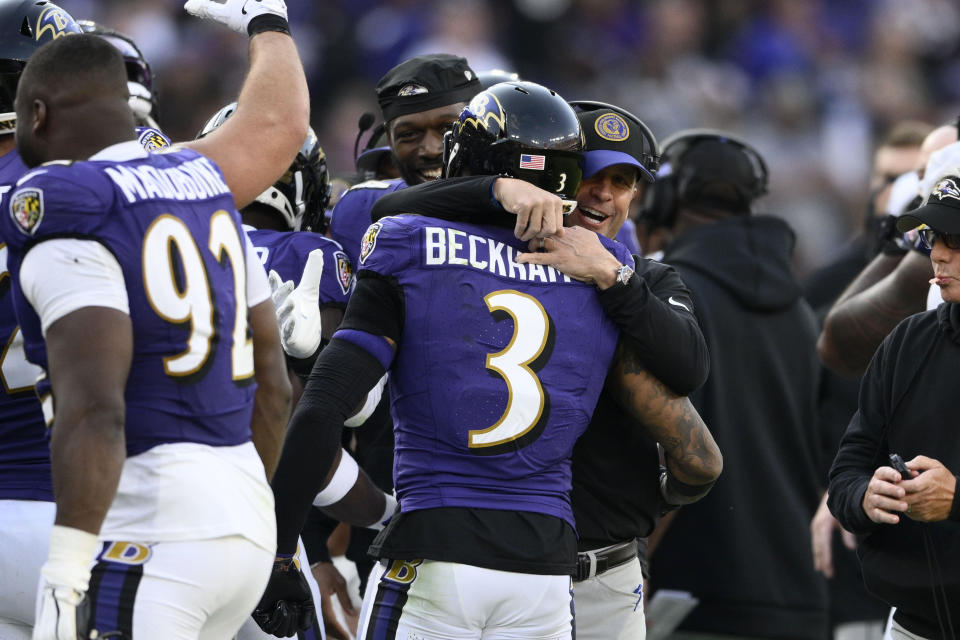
260, 140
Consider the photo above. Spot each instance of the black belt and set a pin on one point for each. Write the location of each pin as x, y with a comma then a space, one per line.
593, 563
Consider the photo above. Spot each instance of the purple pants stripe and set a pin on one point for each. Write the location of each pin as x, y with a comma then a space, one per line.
387, 608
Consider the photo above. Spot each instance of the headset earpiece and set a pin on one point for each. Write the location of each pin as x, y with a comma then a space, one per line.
662, 198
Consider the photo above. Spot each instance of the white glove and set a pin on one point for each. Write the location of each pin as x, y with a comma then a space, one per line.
298, 308
235, 14
63, 614
63, 611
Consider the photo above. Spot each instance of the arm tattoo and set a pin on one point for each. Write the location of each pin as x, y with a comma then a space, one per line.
668, 418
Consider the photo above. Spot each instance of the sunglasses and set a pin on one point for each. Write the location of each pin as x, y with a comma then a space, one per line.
929, 236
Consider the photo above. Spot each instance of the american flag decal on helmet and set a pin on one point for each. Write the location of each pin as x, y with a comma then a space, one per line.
528, 161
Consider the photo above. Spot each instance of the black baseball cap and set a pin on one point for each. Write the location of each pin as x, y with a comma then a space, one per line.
426, 82
612, 139
941, 211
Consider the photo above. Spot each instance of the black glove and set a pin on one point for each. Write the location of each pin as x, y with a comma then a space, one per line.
286, 606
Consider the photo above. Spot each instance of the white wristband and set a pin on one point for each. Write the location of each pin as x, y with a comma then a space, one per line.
342, 481
71, 553
388, 511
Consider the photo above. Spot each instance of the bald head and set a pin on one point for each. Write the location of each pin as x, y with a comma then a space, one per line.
72, 100
935, 140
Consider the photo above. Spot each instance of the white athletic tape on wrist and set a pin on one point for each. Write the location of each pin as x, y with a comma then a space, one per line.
342, 481
71, 553
388, 511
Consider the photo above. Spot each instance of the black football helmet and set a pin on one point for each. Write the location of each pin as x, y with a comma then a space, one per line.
302, 193
143, 96
522, 130
25, 26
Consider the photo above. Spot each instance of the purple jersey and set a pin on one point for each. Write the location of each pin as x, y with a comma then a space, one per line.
24, 452
498, 370
628, 236
351, 217
169, 220
286, 253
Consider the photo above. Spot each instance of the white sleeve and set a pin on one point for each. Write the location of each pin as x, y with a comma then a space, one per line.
62, 275
258, 289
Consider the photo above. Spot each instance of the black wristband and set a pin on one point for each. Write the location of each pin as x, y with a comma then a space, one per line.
268, 22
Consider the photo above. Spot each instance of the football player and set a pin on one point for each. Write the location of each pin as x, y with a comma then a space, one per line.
26, 491
419, 100
493, 380
147, 343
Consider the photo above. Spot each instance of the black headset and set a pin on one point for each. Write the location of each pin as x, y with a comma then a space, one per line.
651, 152
660, 201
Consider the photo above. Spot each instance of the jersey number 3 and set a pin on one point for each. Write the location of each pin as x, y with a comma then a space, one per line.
517, 364
189, 298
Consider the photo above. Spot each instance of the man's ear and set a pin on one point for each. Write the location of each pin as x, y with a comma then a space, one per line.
38, 115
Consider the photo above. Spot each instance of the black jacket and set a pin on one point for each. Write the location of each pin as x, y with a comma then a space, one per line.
907, 402
744, 550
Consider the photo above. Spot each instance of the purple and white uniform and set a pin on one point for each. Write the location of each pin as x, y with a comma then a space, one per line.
156, 236
501, 371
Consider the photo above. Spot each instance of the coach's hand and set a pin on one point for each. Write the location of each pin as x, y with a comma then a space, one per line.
298, 308
578, 253
235, 14
286, 606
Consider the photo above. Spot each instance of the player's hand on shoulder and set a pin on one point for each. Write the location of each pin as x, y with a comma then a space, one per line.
286, 606
235, 14
539, 213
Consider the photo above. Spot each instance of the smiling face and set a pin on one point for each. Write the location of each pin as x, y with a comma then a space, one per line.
416, 140
604, 199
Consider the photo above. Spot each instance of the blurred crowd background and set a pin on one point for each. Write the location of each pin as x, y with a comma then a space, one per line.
810, 83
